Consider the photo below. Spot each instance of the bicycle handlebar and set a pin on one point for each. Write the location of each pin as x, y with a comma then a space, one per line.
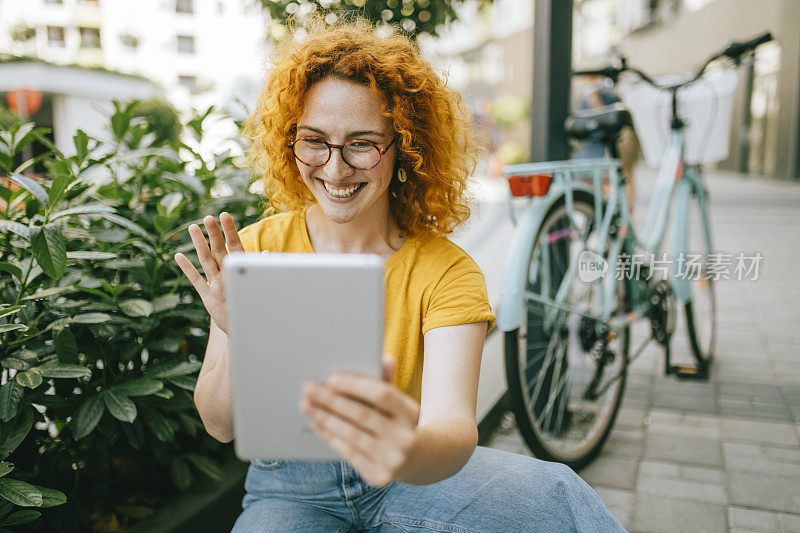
734, 51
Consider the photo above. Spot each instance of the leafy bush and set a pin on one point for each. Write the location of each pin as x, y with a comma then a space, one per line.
101, 335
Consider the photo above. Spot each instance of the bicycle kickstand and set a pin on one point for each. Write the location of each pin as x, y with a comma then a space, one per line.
697, 372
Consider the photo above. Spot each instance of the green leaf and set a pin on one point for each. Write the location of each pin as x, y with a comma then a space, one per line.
81, 142
120, 406
189, 181
20, 493
57, 189
6, 309
136, 307
86, 209
162, 223
154, 420
90, 318
140, 387
16, 364
49, 249
169, 203
49, 293
165, 302
51, 497
12, 327
205, 465
5, 468
89, 414
184, 382
64, 370
91, 255
10, 395
173, 368
124, 222
30, 378
11, 269
16, 432
31, 186
135, 433
20, 517
170, 344
192, 425
15, 227
179, 472
164, 393
66, 347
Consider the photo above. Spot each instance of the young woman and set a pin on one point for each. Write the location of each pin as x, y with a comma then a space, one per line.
365, 150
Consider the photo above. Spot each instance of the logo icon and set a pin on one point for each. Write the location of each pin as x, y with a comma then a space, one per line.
591, 266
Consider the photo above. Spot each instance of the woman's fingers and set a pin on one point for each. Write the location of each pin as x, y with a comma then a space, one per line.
207, 260
357, 413
342, 434
197, 281
216, 239
376, 393
232, 239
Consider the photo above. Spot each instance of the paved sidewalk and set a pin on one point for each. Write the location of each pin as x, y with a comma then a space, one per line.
725, 454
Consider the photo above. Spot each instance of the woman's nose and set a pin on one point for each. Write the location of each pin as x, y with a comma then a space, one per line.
337, 167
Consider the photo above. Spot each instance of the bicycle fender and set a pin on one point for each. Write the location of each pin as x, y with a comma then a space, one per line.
511, 306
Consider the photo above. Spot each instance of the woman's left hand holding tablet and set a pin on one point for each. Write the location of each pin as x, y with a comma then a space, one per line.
368, 421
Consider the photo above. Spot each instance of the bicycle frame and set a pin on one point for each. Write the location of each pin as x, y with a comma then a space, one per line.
675, 183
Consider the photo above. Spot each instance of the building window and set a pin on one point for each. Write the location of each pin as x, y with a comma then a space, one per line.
186, 44
90, 37
55, 36
184, 6
190, 82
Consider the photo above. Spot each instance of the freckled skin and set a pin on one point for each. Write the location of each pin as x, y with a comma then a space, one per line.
339, 108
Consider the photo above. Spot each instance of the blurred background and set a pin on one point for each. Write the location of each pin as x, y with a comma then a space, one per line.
109, 440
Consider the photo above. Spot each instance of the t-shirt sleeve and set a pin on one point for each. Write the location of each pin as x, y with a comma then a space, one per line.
249, 238
459, 298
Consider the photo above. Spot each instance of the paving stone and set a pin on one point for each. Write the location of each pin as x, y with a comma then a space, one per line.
623, 516
752, 519
657, 514
622, 499
683, 430
789, 522
690, 403
625, 443
758, 431
765, 492
628, 417
682, 489
762, 465
690, 450
617, 472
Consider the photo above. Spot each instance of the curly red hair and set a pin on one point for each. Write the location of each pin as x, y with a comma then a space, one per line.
433, 126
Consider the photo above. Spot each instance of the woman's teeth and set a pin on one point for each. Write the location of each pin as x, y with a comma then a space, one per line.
341, 193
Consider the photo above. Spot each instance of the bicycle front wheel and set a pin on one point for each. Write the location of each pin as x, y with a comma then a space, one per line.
549, 362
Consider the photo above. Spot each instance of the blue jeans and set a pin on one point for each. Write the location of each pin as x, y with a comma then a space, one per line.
495, 491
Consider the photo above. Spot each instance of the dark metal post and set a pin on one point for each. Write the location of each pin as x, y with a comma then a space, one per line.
552, 65
744, 131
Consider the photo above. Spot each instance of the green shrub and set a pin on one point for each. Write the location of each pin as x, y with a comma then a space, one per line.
101, 334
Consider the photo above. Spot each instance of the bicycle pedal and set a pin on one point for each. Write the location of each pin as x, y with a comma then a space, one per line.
690, 372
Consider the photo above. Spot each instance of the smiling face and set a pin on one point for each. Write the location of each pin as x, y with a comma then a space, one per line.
339, 111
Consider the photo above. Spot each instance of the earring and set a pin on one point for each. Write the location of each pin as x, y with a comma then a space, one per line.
401, 175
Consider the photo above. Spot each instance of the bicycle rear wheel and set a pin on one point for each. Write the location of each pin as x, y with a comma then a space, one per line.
549, 366
700, 310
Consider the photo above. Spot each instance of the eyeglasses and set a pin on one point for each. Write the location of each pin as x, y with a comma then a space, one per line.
359, 154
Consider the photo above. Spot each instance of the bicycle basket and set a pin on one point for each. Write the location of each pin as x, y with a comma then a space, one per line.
705, 106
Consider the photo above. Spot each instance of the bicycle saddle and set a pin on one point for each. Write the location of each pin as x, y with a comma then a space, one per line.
609, 119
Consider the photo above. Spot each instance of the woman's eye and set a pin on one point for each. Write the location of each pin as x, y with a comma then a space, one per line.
360, 145
314, 141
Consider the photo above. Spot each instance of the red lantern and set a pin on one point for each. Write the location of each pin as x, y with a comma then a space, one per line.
28, 100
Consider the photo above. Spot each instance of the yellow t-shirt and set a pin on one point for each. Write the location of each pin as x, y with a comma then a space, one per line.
429, 282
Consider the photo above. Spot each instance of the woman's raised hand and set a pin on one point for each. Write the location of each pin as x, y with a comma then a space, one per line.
212, 289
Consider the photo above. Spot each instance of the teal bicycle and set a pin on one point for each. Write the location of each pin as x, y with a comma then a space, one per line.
573, 286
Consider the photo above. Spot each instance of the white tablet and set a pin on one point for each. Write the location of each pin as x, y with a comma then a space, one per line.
295, 317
